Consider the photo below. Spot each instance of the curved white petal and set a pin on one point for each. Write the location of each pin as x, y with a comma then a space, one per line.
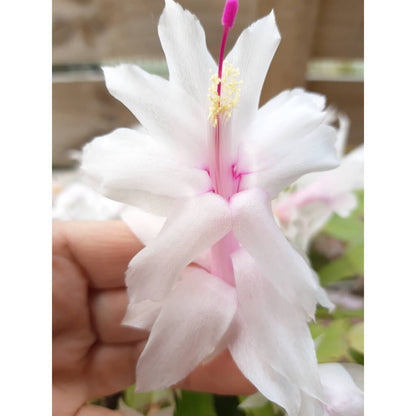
192, 227
144, 225
125, 162
79, 202
285, 142
252, 55
279, 329
311, 407
255, 228
166, 111
142, 315
192, 322
312, 100
189, 62
256, 367
356, 371
253, 401
344, 397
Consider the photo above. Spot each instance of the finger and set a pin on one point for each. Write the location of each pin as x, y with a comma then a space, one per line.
90, 410
219, 376
112, 367
108, 308
102, 248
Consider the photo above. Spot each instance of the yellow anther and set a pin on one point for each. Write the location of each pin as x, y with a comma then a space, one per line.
230, 93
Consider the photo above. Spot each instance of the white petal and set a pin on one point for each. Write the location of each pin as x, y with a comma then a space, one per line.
144, 225
79, 202
252, 55
279, 329
193, 320
311, 407
356, 371
255, 228
192, 227
287, 141
256, 368
275, 105
166, 111
142, 315
187, 56
344, 397
126, 165
253, 401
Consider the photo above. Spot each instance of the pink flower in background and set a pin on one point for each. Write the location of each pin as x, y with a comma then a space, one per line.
311, 201
202, 174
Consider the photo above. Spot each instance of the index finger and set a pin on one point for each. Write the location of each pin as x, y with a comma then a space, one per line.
103, 249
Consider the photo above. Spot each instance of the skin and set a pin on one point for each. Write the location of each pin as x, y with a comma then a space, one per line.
93, 354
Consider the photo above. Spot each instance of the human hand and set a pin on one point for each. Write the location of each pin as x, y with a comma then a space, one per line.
93, 354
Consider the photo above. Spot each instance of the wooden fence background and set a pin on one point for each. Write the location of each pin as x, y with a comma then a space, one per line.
88, 33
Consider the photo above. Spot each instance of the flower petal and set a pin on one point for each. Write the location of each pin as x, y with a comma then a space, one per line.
144, 225
311, 407
252, 55
189, 62
255, 228
253, 401
343, 396
279, 329
127, 165
198, 222
356, 371
257, 369
194, 318
166, 111
285, 142
142, 315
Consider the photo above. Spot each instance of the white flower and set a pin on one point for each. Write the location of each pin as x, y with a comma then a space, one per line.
343, 386
314, 198
210, 174
76, 201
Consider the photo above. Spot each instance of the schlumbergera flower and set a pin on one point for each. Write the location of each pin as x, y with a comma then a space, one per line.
216, 271
310, 202
343, 386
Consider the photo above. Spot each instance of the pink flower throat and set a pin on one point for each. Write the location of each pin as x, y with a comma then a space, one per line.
225, 180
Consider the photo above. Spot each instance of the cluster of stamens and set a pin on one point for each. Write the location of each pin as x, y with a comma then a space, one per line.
230, 93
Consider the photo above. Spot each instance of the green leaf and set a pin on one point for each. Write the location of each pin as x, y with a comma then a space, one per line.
227, 405
350, 264
189, 403
356, 356
137, 401
339, 313
351, 229
356, 337
316, 329
332, 344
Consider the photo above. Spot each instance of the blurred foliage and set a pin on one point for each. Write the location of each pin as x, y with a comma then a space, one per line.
349, 231
189, 403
